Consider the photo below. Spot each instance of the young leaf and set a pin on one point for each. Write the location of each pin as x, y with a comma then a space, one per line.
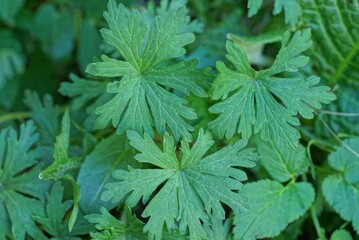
21, 192
62, 165
55, 212
272, 207
129, 228
336, 38
190, 188
281, 162
341, 190
141, 99
254, 101
292, 9
111, 228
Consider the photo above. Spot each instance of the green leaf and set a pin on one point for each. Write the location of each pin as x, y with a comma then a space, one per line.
9, 10
62, 165
142, 98
12, 62
84, 91
341, 234
111, 228
55, 213
281, 162
342, 190
254, 103
88, 44
218, 229
336, 38
342, 116
129, 228
188, 189
269, 200
45, 114
345, 161
54, 30
110, 154
21, 192
292, 9
343, 197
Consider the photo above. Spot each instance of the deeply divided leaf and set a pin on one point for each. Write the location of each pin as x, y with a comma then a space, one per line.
265, 101
188, 188
142, 98
21, 193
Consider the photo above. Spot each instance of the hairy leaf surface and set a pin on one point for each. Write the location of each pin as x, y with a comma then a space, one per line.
342, 190
21, 193
55, 213
264, 101
190, 187
281, 162
272, 207
141, 99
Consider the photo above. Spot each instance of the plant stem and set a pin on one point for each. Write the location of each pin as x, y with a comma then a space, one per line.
13, 116
337, 138
313, 214
317, 226
339, 113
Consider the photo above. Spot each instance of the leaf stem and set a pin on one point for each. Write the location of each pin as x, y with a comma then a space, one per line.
317, 226
13, 116
318, 229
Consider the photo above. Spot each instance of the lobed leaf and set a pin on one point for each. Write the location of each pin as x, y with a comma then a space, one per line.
190, 188
260, 101
141, 99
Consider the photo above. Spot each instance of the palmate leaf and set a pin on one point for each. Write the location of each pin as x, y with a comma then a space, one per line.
21, 193
55, 212
254, 101
336, 38
292, 9
272, 207
342, 190
193, 185
141, 98
45, 114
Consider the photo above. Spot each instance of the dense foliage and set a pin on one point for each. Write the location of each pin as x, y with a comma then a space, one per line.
221, 119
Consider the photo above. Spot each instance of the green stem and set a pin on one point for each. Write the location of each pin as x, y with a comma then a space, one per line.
313, 214
13, 116
317, 226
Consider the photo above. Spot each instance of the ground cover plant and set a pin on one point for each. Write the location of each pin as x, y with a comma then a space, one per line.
221, 119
